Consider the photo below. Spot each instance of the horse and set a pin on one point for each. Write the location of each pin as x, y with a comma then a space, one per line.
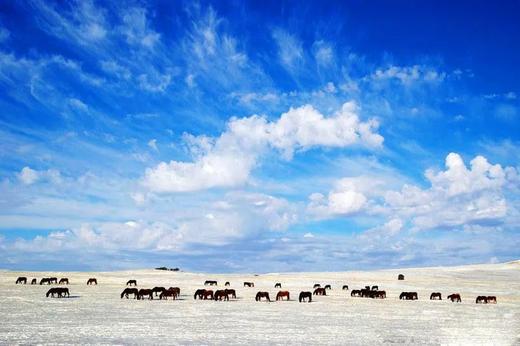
53, 280
400, 277
168, 293
355, 293
158, 290
277, 285
208, 294
199, 293
436, 296
145, 292
378, 294
249, 284
64, 281
481, 300
328, 287
320, 292
261, 295
128, 291
316, 286
282, 294
455, 297
305, 295
227, 283
60, 291
375, 288
45, 281
220, 295
92, 281
210, 283
366, 292
230, 292
21, 280
34, 281
177, 290
345, 287
491, 299
131, 282
408, 296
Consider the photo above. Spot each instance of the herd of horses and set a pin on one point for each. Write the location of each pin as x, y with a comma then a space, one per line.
225, 294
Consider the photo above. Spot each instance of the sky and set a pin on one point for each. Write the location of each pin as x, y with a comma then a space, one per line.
258, 136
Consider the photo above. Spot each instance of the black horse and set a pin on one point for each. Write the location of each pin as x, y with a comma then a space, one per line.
145, 292
328, 287
92, 281
21, 280
305, 295
64, 281
345, 287
249, 284
436, 296
34, 281
45, 281
131, 283
408, 296
261, 295
128, 291
59, 291
210, 283
277, 285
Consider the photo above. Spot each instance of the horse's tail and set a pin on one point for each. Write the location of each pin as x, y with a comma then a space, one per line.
122, 294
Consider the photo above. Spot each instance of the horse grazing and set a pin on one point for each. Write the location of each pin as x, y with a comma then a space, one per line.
345, 287
64, 281
491, 299
481, 300
249, 284
305, 295
168, 293
92, 281
53, 280
45, 281
316, 286
355, 293
177, 290
320, 292
282, 294
158, 290
21, 280
400, 277
210, 283
199, 293
220, 295
277, 285
34, 282
366, 292
436, 296
455, 297
131, 282
230, 292
375, 288
378, 294
328, 287
261, 295
227, 283
144, 292
128, 291
408, 296
59, 291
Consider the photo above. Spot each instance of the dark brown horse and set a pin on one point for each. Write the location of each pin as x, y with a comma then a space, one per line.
408, 296
320, 292
53, 280
481, 300
34, 281
277, 285
282, 294
227, 283
158, 290
145, 292
261, 295
45, 281
208, 294
355, 293
316, 286
220, 295
345, 287
199, 294
59, 291
400, 277
127, 291
64, 281
491, 299
177, 290
249, 284
131, 283
305, 295
455, 297
210, 283
328, 287
92, 281
168, 293
436, 296
366, 292
378, 294
231, 292
21, 280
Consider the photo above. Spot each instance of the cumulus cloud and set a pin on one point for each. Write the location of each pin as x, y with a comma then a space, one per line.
228, 160
29, 176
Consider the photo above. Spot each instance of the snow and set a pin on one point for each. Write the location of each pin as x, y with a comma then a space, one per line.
97, 315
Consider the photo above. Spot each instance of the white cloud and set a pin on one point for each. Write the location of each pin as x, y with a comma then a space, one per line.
345, 199
152, 143
28, 176
323, 53
290, 50
408, 75
228, 160
136, 28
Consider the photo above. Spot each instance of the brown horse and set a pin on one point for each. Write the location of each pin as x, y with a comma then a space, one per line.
408, 296
282, 294
45, 281
400, 277
320, 292
328, 287
220, 295
131, 282
455, 297
208, 294
491, 299
436, 296
355, 293
227, 283
168, 293
481, 300
158, 290
305, 295
145, 292
249, 284
230, 292
128, 291
21, 280
34, 281
345, 287
53, 280
210, 283
60, 291
177, 290
92, 281
261, 295
277, 285
316, 286
64, 281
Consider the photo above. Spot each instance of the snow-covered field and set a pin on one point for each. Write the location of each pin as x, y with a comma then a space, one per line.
96, 314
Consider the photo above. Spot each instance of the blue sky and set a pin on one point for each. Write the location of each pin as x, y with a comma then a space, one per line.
258, 136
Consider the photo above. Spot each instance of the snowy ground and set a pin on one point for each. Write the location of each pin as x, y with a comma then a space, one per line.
96, 314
